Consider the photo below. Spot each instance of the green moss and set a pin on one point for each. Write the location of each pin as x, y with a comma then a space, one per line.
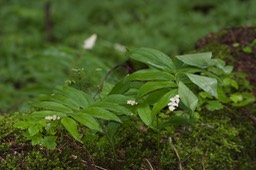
17, 153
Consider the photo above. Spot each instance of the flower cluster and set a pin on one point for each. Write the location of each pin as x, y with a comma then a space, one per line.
174, 102
131, 102
54, 117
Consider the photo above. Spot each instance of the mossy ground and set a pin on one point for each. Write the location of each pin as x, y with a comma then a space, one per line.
220, 140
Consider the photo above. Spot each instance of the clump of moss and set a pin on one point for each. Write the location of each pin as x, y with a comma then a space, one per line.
17, 153
220, 140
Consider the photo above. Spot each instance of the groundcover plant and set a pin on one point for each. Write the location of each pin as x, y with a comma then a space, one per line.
168, 91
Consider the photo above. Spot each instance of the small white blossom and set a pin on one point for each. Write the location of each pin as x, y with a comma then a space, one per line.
131, 102
120, 47
90, 42
172, 108
48, 118
54, 117
174, 102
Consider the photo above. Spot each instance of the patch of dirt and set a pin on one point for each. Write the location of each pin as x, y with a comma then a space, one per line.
241, 41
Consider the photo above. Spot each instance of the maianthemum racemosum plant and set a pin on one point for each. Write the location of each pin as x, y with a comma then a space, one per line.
166, 93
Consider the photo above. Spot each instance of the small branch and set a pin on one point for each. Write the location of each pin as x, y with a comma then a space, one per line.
150, 166
96, 166
177, 155
203, 159
106, 77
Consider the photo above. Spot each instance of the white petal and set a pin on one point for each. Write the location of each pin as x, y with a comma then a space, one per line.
90, 42
120, 47
131, 102
171, 108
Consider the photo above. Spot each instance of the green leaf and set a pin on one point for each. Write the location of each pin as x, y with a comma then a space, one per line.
121, 87
81, 98
148, 74
54, 106
187, 97
153, 58
65, 101
237, 97
214, 105
156, 85
231, 82
163, 102
208, 84
247, 49
177, 120
101, 113
116, 98
36, 139
87, 120
49, 142
144, 112
247, 98
21, 125
113, 107
33, 130
201, 60
71, 127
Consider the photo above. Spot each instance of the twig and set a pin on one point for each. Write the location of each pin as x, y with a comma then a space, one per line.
106, 77
151, 167
96, 166
177, 155
203, 159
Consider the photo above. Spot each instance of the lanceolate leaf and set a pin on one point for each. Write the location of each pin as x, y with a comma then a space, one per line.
113, 107
153, 58
116, 98
156, 85
81, 98
121, 87
101, 113
71, 127
201, 60
54, 106
87, 120
187, 96
208, 84
65, 101
151, 75
144, 112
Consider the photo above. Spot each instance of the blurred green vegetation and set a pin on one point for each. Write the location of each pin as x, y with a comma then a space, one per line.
30, 65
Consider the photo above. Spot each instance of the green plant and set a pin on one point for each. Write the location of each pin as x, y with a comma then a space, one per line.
177, 83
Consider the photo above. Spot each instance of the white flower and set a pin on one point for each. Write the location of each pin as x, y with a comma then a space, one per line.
171, 108
48, 117
131, 102
90, 42
174, 102
54, 117
120, 47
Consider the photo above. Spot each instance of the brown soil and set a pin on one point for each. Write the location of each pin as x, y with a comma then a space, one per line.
235, 39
